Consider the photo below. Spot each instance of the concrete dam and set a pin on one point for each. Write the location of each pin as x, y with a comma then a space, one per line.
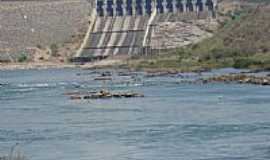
125, 27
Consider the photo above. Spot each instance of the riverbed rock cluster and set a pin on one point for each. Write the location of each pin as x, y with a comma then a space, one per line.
102, 94
239, 78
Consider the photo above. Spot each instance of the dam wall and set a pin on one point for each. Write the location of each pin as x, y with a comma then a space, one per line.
116, 35
126, 27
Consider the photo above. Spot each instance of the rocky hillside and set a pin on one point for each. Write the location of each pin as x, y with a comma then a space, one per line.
170, 35
244, 38
28, 27
241, 41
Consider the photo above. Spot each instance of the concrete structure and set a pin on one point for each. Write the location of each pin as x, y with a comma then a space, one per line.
124, 27
146, 7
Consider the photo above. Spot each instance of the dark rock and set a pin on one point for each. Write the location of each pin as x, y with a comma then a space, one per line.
101, 95
103, 78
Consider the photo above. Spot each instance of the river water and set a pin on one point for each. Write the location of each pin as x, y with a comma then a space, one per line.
174, 121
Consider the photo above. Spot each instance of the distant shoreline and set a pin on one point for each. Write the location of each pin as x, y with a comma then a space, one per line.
112, 64
58, 65
34, 65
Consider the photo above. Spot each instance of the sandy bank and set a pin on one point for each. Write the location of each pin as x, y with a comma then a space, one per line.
45, 65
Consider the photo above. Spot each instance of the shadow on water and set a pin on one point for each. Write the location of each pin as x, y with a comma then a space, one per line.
15, 153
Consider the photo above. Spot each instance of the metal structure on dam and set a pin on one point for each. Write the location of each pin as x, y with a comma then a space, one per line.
123, 27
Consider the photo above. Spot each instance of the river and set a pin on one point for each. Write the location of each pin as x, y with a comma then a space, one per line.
174, 121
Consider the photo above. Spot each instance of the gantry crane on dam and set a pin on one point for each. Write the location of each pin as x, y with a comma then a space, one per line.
123, 27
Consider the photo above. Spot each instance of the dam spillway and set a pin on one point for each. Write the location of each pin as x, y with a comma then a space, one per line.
116, 35
124, 27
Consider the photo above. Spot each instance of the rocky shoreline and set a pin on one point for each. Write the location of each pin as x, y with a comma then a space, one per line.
250, 77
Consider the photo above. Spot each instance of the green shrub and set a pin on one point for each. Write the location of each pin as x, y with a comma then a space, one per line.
54, 49
221, 53
22, 57
245, 62
182, 53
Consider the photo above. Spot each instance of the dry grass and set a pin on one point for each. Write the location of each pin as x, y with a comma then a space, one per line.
29, 24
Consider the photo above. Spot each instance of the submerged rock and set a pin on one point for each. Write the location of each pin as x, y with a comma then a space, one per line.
102, 94
103, 79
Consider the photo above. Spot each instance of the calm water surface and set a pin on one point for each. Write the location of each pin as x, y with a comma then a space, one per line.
175, 121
